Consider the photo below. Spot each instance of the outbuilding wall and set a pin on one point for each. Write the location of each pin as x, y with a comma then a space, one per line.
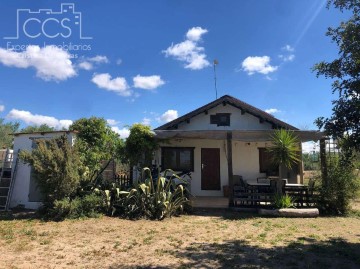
21, 181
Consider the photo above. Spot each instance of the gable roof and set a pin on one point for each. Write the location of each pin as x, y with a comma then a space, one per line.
229, 100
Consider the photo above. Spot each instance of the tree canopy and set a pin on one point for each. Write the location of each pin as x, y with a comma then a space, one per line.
96, 142
344, 122
6, 129
40, 128
140, 145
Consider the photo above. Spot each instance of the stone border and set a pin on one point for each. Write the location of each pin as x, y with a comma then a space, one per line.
290, 212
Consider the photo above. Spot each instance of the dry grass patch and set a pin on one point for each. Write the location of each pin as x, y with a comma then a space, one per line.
212, 239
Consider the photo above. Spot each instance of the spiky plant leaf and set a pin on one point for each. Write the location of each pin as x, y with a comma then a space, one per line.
285, 149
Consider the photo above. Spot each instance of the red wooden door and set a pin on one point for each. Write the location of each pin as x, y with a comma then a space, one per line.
210, 169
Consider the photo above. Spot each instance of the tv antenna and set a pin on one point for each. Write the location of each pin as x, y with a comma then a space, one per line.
215, 64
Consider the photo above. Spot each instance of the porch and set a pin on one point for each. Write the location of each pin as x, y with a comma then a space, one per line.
236, 152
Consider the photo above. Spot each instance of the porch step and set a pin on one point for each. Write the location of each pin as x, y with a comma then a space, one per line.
210, 202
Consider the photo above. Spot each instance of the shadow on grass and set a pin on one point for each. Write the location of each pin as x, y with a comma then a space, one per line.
19, 215
304, 253
226, 213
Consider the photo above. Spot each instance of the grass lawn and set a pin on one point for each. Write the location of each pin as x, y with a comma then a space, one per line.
206, 239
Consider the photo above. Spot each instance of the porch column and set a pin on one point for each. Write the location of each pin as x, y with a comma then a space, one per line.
230, 166
301, 166
323, 161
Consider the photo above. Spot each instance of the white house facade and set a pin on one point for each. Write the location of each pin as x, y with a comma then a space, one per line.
224, 138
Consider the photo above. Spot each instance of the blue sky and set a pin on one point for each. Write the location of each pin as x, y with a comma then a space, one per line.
150, 61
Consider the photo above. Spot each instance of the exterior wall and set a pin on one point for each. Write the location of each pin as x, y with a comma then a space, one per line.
237, 121
21, 182
245, 157
198, 144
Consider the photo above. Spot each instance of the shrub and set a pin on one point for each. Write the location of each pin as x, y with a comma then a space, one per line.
340, 188
283, 201
57, 168
87, 206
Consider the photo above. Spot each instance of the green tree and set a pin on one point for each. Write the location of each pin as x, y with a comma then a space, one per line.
345, 71
96, 142
40, 128
57, 166
6, 131
140, 145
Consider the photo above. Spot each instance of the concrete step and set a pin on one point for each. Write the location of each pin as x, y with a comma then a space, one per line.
209, 202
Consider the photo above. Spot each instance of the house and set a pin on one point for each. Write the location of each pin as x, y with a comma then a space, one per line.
223, 138
23, 188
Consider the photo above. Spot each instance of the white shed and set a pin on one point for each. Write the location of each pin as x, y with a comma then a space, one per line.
24, 191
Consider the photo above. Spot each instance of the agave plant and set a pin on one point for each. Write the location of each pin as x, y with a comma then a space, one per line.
153, 200
285, 149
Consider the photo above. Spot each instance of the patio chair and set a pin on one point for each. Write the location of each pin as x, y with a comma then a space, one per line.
272, 188
240, 189
237, 180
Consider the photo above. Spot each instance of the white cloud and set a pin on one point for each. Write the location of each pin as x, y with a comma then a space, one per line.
65, 124
35, 119
50, 62
272, 110
146, 121
118, 84
85, 65
258, 64
287, 58
148, 82
188, 51
288, 48
88, 63
112, 122
99, 59
124, 132
195, 33
2, 108
168, 116
118, 61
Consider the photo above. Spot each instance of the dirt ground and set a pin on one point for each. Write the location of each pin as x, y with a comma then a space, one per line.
206, 239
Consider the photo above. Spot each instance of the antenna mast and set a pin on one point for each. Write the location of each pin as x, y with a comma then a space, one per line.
215, 64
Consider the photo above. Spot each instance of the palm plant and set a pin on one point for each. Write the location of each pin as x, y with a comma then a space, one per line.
285, 149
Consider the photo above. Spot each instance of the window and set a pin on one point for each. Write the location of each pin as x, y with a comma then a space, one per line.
177, 159
266, 164
220, 119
